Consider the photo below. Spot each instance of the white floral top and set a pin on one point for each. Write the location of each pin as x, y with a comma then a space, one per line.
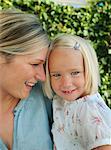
82, 124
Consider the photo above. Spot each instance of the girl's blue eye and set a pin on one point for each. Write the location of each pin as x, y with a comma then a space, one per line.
56, 75
75, 73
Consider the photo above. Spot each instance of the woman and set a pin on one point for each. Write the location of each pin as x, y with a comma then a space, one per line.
23, 115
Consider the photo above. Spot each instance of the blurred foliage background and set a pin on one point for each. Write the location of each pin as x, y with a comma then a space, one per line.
92, 22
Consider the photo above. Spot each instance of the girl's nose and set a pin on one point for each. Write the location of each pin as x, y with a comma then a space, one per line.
66, 81
40, 73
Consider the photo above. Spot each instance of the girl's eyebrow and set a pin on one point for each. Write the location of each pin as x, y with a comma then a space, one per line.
54, 72
75, 69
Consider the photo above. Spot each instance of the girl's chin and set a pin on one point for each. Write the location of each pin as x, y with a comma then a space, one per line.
70, 97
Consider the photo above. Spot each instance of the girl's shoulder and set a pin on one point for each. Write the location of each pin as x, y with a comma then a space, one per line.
89, 101
92, 105
87, 119
85, 107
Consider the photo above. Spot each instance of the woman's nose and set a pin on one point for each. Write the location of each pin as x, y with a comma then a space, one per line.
40, 73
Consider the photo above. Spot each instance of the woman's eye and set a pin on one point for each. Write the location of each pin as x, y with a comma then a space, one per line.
35, 65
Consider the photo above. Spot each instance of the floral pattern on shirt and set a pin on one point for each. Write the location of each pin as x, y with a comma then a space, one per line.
82, 124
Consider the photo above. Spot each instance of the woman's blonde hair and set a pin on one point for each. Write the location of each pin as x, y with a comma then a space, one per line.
20, 33
92, 78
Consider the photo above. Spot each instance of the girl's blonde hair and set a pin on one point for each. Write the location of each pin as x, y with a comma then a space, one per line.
92, 78
20, 33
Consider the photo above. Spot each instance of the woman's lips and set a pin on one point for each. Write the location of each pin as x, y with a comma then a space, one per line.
30, 84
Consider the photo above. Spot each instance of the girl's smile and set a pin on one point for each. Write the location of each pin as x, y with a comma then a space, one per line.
67, 73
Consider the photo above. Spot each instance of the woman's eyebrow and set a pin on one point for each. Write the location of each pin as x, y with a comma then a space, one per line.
39, 60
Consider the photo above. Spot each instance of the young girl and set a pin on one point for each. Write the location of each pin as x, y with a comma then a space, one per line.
82, 120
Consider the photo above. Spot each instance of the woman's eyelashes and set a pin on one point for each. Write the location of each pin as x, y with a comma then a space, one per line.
39, 62
35, 65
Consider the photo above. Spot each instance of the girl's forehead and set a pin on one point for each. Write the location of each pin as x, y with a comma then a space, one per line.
60, 51
65, 59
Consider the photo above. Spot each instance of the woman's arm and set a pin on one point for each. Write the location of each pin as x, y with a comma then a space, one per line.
106, 147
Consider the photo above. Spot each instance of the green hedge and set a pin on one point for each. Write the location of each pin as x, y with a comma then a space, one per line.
92, 22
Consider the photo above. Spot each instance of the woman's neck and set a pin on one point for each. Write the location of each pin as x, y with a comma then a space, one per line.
7, 103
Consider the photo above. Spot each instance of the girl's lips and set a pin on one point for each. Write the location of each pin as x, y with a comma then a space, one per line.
68, 91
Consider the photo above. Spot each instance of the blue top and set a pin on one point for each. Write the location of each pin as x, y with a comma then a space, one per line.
31, 126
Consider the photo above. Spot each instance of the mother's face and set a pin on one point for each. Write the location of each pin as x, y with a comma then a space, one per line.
19, 76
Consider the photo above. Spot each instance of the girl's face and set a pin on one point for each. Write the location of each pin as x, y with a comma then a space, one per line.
19, 76
67, 75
